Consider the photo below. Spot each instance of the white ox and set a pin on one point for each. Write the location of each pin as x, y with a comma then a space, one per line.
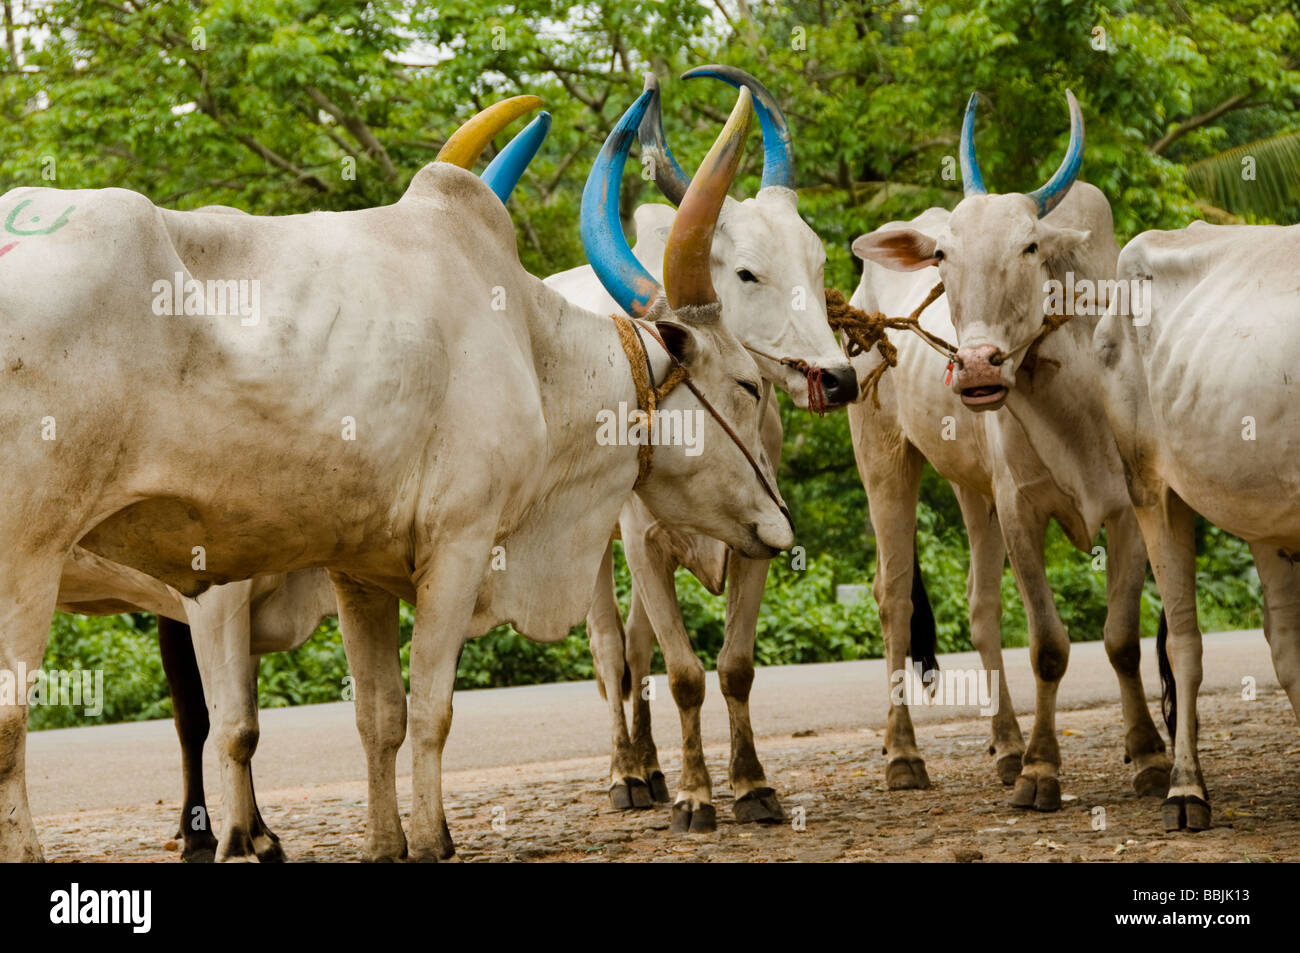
1046, 454
280, 611
1201, 392
234, 437
767, 266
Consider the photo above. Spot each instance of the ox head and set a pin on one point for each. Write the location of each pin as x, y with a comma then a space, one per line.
994, 256
766, 263
717, 491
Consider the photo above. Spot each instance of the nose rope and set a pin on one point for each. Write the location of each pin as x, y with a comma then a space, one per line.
817, 402
864, 331
648, 397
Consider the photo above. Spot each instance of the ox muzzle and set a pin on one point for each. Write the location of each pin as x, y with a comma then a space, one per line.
983, 378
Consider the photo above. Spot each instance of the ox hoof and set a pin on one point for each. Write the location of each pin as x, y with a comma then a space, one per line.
200, 854
271, 852
630, 793
200, 849
1152, 782
1186, 812
1039, 794
659, 788
1008, 768
700, 819
906, 775
760, 805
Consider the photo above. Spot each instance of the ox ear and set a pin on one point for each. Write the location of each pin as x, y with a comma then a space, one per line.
680, 341
902, 249
1056, 241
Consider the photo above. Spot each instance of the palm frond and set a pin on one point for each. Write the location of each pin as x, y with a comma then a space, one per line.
1260, 177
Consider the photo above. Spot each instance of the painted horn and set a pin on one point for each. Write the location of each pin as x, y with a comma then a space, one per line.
972, 183
625, 278
467, 142
670, 178
503, 172
690, 243
778, 150
1051, 194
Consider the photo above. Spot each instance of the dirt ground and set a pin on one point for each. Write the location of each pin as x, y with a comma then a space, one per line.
560, 811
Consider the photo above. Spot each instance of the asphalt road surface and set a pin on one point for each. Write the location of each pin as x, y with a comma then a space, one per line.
84, 769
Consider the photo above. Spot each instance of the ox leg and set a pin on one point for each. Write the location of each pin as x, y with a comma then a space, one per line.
893, 489
1039, 785
1125, 573
988, 555
627, 785
222, 620
190, 713
693, 809
369, 624
26, 607
638, 648
1281, 581
755, 798
445, 597
1168, 526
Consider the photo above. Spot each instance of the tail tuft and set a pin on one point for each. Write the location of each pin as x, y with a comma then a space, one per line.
925, 636
1168, 688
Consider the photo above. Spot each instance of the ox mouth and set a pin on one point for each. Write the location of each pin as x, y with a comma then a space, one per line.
985, 395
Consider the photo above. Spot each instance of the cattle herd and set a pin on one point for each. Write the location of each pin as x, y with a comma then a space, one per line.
407, 413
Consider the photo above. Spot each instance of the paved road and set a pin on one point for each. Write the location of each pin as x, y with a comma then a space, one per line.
137, 763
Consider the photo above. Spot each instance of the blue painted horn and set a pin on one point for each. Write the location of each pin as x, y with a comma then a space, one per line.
778, 151
503, 172
670, 178
1051, 194
972, 183
625, 278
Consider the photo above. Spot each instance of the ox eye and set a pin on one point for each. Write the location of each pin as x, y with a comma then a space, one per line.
750, 387
745, 275
1031, 248
939, 255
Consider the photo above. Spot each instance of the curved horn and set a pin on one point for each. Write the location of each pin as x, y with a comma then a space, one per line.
1051, 194
503, 172
626, 280
465, 144
670, 178
778, 151
690, 243
972, 183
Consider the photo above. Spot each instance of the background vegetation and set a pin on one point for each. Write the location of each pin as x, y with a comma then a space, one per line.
281, 106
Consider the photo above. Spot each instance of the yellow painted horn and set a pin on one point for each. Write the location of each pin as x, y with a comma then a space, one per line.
686, 259
467, 142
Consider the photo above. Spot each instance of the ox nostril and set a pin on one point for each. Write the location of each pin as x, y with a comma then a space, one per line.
841, 386
996, 358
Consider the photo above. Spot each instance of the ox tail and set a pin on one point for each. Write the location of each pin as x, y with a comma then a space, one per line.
925, 637
1168, 689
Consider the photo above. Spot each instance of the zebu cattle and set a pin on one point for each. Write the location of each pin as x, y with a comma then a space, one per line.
767, 267
376, 324
1046, 454
282, 611
1200, 391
